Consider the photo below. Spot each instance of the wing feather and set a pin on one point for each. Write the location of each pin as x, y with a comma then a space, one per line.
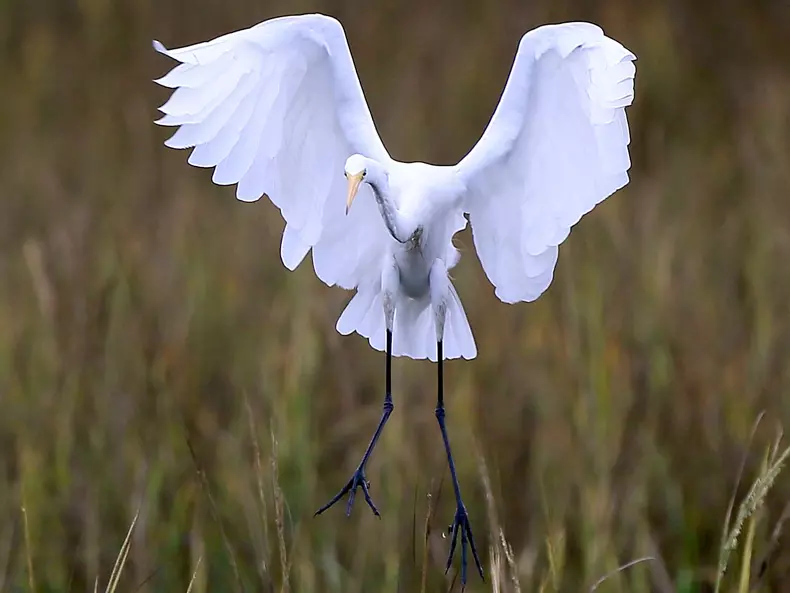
556, 146
276, 109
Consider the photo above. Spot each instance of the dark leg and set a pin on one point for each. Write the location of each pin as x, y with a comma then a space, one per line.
461, 520
358, 480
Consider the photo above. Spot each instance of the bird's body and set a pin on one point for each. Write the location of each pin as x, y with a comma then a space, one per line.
423, 194
278, 110
420, 206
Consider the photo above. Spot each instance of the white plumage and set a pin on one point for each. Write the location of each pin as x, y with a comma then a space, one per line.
278, 109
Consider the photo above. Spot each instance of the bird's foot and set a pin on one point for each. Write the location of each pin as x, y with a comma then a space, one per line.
358, 480
461, 523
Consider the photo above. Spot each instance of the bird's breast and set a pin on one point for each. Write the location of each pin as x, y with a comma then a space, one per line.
413, 267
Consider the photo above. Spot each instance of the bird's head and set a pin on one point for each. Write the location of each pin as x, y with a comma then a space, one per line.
359, 169
355, 170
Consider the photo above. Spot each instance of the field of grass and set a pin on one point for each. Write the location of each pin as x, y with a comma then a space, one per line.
157, 361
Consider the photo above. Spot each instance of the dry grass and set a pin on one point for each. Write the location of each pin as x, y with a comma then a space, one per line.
144, 311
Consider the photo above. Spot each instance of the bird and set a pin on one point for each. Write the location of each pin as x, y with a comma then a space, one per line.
278, 110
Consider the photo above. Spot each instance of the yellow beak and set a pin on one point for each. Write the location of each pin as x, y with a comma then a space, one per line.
353, 188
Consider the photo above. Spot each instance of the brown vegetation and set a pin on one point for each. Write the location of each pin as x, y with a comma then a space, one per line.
143, 309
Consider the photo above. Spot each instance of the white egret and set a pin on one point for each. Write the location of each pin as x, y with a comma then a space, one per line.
278, 109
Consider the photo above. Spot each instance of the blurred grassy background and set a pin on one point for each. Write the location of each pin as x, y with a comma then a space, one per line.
141, 306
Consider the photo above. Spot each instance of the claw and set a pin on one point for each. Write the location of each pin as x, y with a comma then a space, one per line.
461, 523
358, 480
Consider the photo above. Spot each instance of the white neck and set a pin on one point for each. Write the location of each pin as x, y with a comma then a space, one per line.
378, 180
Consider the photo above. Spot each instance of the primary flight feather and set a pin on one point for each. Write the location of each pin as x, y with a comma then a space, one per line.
278, 109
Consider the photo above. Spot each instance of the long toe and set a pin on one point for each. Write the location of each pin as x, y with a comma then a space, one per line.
463, 558
461, 523
366, 491
358, 480
454, 534
335, 498
474, 550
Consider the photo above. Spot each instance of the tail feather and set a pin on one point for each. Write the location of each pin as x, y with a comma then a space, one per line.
364, 314
414, 332
459, 341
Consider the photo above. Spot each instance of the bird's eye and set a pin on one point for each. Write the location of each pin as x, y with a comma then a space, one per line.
364, 172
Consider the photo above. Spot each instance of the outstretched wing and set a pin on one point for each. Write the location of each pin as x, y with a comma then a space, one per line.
556, 146
277, 109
